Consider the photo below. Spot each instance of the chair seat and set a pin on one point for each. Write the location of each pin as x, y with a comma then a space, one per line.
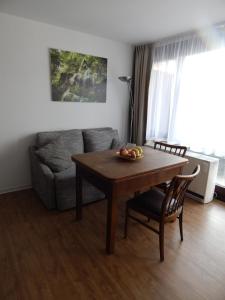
148, 202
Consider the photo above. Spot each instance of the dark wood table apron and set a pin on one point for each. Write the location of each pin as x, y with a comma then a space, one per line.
116, 177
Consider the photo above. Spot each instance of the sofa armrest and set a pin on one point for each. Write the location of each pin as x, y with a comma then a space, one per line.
43, 181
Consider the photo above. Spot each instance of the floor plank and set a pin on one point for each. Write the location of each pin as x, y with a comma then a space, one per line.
47, 255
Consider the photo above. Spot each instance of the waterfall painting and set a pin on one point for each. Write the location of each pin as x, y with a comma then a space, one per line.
77, 77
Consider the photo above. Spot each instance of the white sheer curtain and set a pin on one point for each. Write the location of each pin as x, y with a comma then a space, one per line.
187, 92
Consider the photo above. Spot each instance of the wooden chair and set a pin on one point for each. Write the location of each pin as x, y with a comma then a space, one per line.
161, 207
172, 149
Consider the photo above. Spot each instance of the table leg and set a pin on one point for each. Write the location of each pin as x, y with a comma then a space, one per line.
181, 171
78, 194
111, 223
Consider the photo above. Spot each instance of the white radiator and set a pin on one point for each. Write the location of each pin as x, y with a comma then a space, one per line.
203, 186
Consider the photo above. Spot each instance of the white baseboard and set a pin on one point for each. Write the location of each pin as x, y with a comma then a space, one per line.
15, 189
194, 197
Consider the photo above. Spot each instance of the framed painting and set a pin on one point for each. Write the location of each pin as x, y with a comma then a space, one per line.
77, 77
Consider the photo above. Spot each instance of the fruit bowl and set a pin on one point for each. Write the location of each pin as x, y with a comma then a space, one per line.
132, 154
128, 157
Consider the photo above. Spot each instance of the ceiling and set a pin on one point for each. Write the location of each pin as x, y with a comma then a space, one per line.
130, 21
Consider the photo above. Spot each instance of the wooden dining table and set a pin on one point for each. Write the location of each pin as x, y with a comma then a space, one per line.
116, 177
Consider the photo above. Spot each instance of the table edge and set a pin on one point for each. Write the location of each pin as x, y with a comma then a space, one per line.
112, 179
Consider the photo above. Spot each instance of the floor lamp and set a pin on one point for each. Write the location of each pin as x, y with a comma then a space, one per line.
128, 80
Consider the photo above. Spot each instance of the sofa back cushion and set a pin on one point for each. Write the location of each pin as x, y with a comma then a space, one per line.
98, 140
117, 143
55, 155
72, 139
102, 129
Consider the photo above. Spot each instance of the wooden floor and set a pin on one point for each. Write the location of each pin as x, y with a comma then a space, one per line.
47, 255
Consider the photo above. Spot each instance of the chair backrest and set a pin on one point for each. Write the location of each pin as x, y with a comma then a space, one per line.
174, 197
172, 149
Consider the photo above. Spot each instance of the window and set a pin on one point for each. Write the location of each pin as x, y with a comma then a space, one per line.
187, 97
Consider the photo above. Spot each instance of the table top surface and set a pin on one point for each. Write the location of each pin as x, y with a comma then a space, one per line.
109, 165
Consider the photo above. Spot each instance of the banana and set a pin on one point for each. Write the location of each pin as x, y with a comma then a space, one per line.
139, 149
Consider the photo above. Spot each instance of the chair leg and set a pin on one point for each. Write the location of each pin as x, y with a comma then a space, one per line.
161, 241
126, 223
181, 225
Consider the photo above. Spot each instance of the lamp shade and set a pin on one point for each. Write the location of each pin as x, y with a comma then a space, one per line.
125, 78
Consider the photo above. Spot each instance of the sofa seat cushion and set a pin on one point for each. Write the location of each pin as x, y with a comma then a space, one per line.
65, 185
98, 140
73, 139
55, 155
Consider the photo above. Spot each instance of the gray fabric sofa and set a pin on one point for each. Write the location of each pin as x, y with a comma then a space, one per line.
57, 189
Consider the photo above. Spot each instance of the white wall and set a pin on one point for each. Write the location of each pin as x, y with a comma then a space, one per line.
25, 102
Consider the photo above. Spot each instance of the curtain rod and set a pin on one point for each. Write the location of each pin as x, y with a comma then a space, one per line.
185, 35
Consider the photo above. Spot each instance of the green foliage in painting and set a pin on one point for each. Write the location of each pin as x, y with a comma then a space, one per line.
77, 77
